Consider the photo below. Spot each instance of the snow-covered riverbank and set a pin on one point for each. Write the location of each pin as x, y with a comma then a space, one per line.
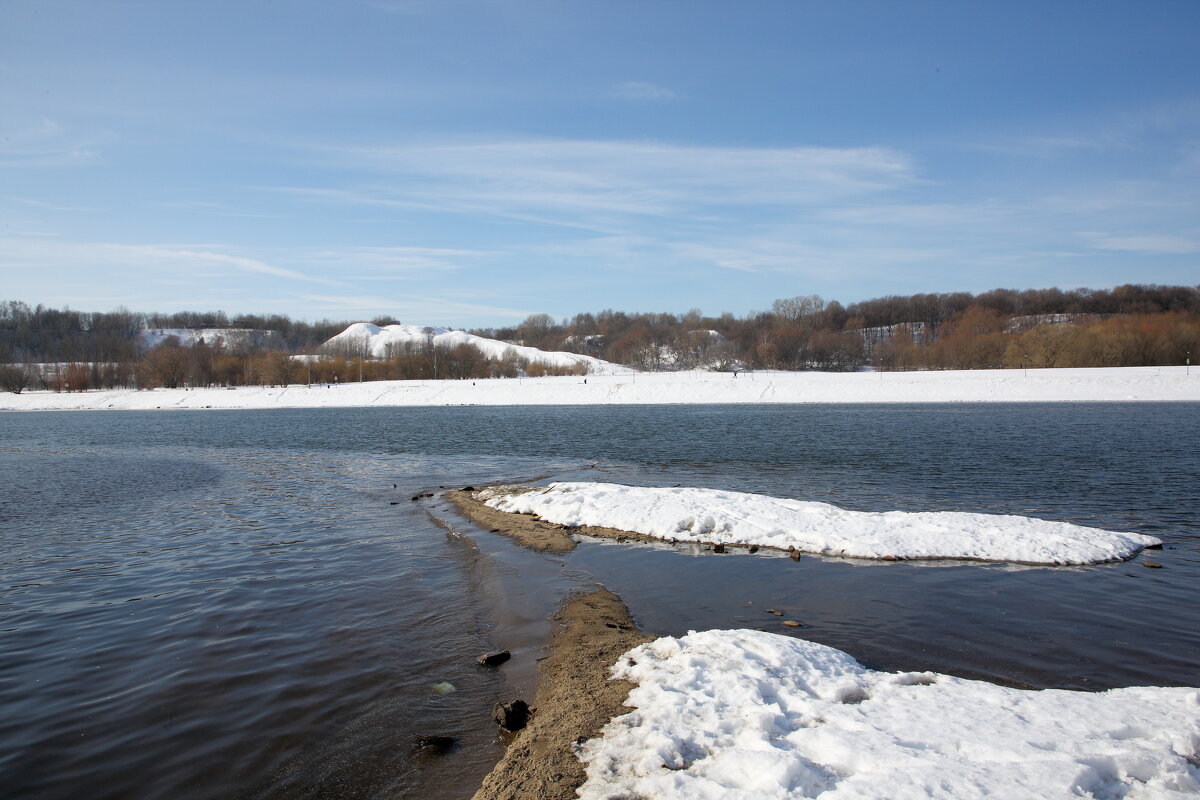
1128, 384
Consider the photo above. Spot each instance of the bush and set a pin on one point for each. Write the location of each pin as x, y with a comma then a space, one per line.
15, 379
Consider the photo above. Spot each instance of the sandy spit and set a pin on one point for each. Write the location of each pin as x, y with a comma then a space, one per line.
528, 530
575, 698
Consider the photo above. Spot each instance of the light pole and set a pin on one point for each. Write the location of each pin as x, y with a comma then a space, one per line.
1025, 362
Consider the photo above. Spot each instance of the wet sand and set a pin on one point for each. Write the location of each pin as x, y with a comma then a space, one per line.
528, 529
575, 698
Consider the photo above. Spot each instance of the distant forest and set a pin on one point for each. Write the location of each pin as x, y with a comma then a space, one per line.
1132, 325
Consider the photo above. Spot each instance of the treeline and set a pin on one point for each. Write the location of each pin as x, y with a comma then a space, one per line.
47, 335
809, 332
981, 338
1134, 325
173, 366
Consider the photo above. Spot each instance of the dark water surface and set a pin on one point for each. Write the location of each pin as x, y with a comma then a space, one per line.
239, 604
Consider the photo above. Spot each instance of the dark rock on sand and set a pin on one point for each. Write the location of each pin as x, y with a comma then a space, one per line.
753, 548
511, 716
494, 659
575, 699
718, 548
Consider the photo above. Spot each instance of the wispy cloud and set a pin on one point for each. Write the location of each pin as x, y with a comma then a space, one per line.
42, 204
389, 262
642, 90
218, 209
148, 259
1157, 244
601, 184
422, 308
47, 143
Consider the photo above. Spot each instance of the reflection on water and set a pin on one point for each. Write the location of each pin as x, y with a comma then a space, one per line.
240, 603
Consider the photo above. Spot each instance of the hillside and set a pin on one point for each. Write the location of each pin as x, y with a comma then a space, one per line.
367, 339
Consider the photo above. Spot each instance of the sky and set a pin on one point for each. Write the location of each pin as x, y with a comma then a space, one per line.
468, 163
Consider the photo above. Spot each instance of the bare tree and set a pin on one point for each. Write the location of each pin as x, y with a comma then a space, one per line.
15, 378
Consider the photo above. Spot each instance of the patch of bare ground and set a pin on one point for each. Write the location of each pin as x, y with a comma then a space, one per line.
575, 698
528, 529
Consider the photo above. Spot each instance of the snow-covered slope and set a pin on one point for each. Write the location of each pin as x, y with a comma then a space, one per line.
714, 516
748, 715
364, 337
230, 338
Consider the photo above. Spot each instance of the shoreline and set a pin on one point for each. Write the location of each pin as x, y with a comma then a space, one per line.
575, 698
535, 533
1095, 385
531, 532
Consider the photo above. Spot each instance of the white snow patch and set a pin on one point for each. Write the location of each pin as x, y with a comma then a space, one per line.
742, 715
381, 342
1107, 385
229, 338
712, 515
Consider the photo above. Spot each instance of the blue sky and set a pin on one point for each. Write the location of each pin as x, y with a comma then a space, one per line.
470, 163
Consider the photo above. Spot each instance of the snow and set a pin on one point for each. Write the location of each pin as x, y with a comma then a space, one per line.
743, 714
712, 516
148, 338
1127, 384
379, 342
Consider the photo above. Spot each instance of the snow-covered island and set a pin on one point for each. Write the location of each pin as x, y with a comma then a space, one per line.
1105, 385
714, 516
735, 715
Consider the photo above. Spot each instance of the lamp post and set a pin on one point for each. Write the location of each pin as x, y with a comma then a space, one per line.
1025, 363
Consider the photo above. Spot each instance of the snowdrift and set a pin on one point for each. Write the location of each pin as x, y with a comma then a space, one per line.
743, 714
713, 516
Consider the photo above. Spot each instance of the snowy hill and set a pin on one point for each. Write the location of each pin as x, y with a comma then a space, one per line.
229, 338
372, 340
